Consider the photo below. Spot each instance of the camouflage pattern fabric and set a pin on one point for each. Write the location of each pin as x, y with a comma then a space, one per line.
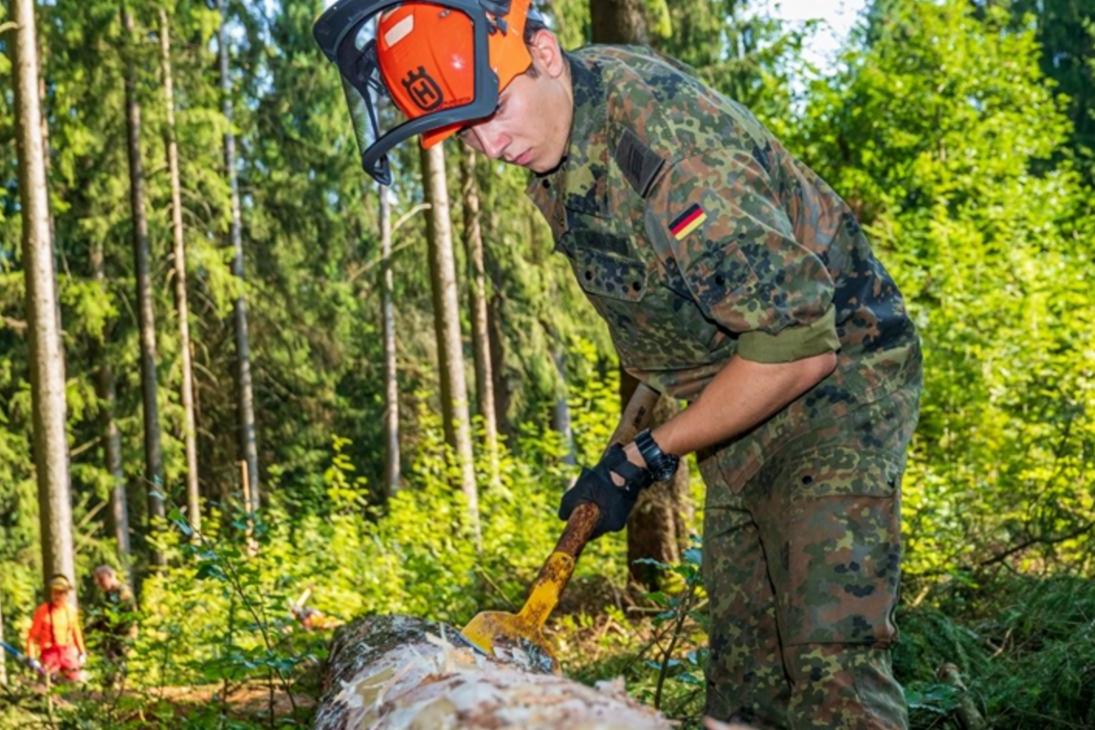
698, 237
802, 567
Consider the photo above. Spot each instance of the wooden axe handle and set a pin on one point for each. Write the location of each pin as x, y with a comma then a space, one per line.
583, 520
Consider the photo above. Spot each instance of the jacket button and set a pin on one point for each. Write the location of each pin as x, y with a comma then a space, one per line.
589, 275
636, 286
546, 183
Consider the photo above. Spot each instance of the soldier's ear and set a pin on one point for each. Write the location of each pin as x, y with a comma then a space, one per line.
547, 56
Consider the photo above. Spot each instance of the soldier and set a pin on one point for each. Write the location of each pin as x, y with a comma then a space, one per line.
731, 276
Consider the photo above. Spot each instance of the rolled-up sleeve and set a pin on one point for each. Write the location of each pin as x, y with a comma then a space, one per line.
735, 248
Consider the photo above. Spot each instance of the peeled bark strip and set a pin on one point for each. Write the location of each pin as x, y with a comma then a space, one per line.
390, 672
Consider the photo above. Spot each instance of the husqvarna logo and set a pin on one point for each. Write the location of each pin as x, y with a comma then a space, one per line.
423, 90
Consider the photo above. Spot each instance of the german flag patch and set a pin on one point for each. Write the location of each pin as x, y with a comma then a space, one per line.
687, 221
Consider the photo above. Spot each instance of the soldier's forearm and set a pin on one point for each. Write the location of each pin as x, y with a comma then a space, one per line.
742, 395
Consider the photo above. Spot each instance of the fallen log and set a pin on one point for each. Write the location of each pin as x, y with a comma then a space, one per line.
396, 672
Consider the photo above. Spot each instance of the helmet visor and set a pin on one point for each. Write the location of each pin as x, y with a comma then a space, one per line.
396, 85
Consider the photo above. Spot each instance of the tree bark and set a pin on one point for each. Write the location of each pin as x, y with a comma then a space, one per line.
3, 654
503, 394
657, 524
246, 406
619, 21
46, 352
182, 308
145, 311
391, 375
109, 436
446, 308
389, 672
560, 414
477, 287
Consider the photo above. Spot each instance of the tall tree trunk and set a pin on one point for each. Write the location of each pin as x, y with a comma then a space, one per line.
560, 414
477, 287
145, 312
503, 393
47, 363
110, 436
3, 654
246, 407
619, 21
391, 376
182, 308
496, 306
656, 524
446, 308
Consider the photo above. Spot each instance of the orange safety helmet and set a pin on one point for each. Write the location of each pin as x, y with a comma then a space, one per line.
441, 63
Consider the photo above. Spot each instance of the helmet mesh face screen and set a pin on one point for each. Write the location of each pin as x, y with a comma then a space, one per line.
417, 69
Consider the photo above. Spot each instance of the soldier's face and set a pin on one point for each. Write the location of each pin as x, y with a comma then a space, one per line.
531, 126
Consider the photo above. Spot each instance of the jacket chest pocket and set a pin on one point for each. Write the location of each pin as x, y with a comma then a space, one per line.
653, 327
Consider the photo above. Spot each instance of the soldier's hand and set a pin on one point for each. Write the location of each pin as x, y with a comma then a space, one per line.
596, 485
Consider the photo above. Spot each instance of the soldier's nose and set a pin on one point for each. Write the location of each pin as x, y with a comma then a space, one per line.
489, 141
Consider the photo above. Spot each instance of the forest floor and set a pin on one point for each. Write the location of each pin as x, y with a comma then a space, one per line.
25, 705
1016, 654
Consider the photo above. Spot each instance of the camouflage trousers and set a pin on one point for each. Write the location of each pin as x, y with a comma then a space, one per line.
802, 564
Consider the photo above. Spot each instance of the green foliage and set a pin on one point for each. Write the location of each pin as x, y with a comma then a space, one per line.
928, 134
960, 132
1025, 655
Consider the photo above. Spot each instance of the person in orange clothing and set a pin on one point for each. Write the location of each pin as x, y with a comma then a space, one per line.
55, 639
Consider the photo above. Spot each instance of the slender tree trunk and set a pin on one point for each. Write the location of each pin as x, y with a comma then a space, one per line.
502, 390
560, 414
391, 376
655, 529
3, 655
658, 526
47, 364
477, 280
246, 408
110, 436
619, 21
496, 306
182, 308
446, 307
145, 312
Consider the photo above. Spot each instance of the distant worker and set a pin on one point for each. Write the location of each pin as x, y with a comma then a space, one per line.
113, 620
55, 639
311, 619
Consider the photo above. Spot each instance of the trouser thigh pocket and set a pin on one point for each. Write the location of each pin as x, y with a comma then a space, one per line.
839, 569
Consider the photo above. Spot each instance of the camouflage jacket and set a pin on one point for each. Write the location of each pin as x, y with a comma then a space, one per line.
696, 236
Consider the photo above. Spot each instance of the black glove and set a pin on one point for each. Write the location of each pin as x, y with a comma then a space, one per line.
596, 485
